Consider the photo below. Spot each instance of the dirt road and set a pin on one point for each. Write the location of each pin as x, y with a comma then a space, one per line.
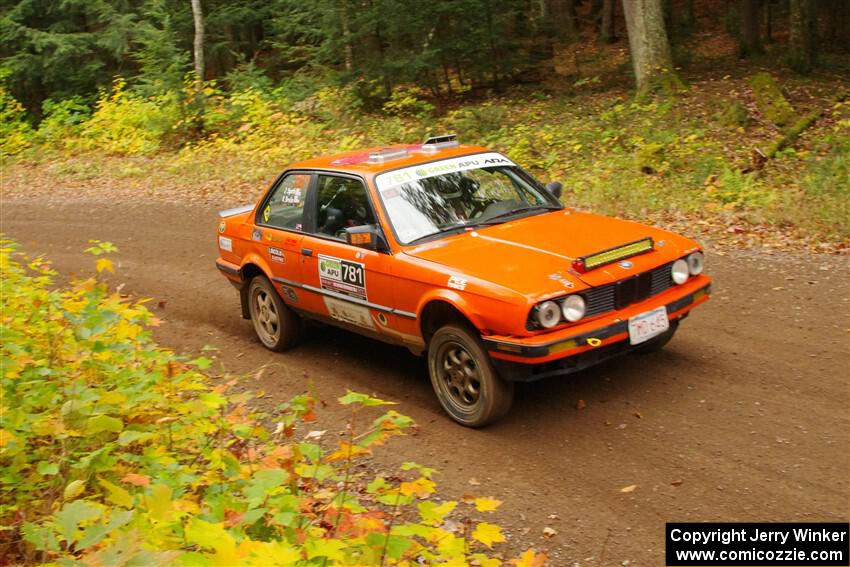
744, 416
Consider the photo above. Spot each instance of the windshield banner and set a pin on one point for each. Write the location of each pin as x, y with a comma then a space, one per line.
396, 177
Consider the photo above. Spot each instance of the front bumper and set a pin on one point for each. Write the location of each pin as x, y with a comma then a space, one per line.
599, 332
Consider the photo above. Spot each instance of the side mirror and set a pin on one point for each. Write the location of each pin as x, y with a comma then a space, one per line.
367, 236
555, 188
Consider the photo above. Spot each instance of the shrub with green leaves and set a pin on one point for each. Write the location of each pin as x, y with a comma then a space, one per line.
115, 451
124, 122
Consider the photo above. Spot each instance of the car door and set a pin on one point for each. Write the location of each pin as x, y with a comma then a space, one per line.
348, 284
279, 230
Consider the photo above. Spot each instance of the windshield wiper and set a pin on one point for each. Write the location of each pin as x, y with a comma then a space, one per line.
518, 211
461, 226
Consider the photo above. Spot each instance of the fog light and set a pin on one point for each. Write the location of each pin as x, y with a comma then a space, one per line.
680, 271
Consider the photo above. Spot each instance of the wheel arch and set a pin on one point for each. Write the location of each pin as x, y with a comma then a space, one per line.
250, 269
440, 310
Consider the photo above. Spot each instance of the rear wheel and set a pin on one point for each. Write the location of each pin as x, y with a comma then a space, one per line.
463, 377
276, 325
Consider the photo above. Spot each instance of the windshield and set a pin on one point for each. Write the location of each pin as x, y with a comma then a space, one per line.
458, 194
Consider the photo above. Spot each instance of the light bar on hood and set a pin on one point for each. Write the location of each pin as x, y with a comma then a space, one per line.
598, 259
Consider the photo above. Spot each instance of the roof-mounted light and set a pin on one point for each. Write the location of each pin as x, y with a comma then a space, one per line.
436, 143
387, 154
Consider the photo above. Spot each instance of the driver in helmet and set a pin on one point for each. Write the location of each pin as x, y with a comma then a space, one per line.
458, 193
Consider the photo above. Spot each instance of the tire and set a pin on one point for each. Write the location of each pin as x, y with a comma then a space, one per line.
276, 325
463, 377
658, 342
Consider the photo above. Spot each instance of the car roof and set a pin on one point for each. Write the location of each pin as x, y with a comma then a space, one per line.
363, 161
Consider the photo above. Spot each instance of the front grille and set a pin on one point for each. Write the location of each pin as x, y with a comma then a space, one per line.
630, 290
620, 294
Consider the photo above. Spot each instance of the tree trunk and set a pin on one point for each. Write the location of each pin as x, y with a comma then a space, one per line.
606, 26
838, 23
749, 40
565, 20
801, 53
689, 18
198, 16
650, 49
768, 21
348, 54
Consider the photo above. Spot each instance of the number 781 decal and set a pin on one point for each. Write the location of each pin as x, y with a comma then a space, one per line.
342, 276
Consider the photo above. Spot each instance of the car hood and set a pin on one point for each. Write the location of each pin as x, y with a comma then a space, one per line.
534, 255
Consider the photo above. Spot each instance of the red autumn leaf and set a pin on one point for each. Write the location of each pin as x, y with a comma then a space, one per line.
137, 479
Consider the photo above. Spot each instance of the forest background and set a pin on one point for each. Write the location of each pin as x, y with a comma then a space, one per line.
729, 116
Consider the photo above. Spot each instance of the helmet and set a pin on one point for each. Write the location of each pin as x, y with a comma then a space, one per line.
454, 185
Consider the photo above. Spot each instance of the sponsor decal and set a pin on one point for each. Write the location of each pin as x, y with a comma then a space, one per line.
257, 234
457, 283
266, 212
289, 293
342, 276
348, 313
291, 197
391, 179
225, 244
221, 226
276, 255
562, 280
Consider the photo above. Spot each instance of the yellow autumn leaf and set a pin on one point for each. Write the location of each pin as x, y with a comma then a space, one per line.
209, 535
6, 437
159, 502
487, 504
531, 559
104, 264
117, 495
421, 487
484, 561
629, 488
74, 489
488, 534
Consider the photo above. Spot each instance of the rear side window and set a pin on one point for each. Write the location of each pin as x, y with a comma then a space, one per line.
285, 207
342, 203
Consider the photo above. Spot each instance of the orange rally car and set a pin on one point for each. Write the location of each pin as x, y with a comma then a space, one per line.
457, 252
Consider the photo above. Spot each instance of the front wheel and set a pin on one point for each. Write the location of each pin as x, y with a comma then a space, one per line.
464, 379
276, 325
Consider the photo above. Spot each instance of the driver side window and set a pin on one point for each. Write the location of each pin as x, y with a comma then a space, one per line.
342, 203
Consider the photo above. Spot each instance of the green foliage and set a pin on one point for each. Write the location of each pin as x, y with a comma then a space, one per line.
406, 102
15, 131
63, 120
115, 451
126, 123
734, 115
770, 100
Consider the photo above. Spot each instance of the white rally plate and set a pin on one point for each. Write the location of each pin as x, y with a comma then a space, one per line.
648, 325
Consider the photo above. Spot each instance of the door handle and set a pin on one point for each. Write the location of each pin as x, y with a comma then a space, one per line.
306, 252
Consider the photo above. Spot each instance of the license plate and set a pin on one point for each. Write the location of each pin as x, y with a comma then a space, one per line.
648, 325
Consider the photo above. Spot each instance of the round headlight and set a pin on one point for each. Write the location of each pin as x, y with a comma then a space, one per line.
573, 308
679, 271
696, 263
548, 314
